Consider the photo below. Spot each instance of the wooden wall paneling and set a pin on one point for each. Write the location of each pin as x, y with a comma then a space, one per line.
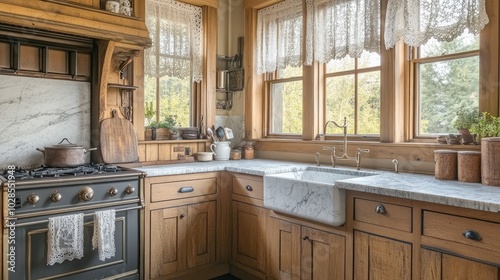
83, 64
152, 152
489, 66
91, 3
57, 61
164, 151
29, 58
253, 82
5, 55
141, 151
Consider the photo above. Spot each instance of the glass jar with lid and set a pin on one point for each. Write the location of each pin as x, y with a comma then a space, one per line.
248, 150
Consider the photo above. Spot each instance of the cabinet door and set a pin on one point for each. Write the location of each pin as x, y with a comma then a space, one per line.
284, 250
249, 236
323, 255
440, 266
168, 244
379, 258
201, 233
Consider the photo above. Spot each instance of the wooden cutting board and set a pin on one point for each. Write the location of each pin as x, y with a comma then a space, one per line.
118, 140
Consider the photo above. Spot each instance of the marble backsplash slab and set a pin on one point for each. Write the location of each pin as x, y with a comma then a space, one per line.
236, 124
36, 112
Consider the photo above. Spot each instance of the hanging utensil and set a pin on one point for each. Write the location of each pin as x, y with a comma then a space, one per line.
220, 133
210, 134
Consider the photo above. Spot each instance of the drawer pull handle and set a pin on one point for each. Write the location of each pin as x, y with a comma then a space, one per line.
249, 188
380, 209
472, 235
185, 190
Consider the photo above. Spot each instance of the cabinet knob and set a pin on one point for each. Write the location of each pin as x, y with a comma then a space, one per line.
249, 188
182, 216
472, 235
306, 238
380, 209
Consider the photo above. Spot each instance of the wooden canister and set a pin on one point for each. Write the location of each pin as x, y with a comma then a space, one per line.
446, 164
469, 166
490, 161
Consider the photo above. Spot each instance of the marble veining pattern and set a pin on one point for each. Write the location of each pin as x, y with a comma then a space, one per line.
403, 185
36, 112
320, 202
236, 124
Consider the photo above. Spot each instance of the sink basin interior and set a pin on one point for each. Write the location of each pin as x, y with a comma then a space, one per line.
310, 193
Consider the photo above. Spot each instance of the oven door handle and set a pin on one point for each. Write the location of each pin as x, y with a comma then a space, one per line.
9, 220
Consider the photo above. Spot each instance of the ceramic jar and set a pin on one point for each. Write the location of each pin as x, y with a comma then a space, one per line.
125, 7
221, 150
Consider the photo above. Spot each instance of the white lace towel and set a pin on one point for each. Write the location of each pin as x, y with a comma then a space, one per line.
104, 233
65, 238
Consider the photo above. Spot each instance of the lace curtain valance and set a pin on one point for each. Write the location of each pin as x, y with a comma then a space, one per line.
280, 35
416, 21
175, 29
345, 27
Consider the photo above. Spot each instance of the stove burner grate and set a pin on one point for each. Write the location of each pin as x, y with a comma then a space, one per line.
42, 172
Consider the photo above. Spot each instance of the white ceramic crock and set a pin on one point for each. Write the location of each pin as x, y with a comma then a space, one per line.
221, 150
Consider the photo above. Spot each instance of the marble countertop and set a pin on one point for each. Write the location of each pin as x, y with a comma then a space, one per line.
403, 185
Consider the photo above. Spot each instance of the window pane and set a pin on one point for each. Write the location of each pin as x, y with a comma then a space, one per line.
340, 102
175, 99
445, 87
286, 107
369, 103
368, 59
289, 72
339, 65
463, 43
149, 98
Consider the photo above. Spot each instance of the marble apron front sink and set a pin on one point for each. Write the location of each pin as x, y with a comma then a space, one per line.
310, 194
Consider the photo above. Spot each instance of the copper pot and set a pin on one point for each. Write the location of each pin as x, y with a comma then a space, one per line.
64, 155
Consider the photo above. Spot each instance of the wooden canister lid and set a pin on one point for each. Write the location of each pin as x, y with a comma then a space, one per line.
445, 152
469, 153
490, 139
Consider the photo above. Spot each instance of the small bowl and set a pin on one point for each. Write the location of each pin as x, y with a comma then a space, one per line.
205, 156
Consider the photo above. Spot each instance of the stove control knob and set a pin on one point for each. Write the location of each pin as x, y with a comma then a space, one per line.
33, 199
129, 189
113, 191
86, 194
55, 197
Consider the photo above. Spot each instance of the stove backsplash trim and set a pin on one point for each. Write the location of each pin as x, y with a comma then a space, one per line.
37, 112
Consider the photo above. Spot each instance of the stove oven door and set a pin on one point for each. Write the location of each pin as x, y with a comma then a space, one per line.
31, 250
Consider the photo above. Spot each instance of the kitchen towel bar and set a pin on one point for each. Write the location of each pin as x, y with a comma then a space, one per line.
86, 215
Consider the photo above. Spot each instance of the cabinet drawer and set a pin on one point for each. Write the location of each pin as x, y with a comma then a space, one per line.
477, 233
383, 214
183, 189
248, 187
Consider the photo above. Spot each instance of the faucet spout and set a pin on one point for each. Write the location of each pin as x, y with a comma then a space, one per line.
333, 155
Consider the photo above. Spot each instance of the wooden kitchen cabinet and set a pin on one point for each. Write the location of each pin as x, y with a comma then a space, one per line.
382, 237
381, 258
304, 252
248, 250
441, 266
183, 232
182, 237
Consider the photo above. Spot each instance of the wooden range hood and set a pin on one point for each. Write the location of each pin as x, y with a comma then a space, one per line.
78, 17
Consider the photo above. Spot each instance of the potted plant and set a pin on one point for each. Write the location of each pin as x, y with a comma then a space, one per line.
464, 119
487, 126
170, 123
149, 113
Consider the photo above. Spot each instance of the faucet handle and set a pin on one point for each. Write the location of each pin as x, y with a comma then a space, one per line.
363, 150
316, 157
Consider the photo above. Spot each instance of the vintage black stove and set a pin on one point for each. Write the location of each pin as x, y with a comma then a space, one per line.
32, 196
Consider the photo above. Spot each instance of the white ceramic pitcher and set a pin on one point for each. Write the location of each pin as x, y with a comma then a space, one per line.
221, 150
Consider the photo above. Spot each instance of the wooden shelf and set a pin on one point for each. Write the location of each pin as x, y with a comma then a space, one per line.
110, 85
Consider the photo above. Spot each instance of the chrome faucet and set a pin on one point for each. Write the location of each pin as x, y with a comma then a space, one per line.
333, 156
